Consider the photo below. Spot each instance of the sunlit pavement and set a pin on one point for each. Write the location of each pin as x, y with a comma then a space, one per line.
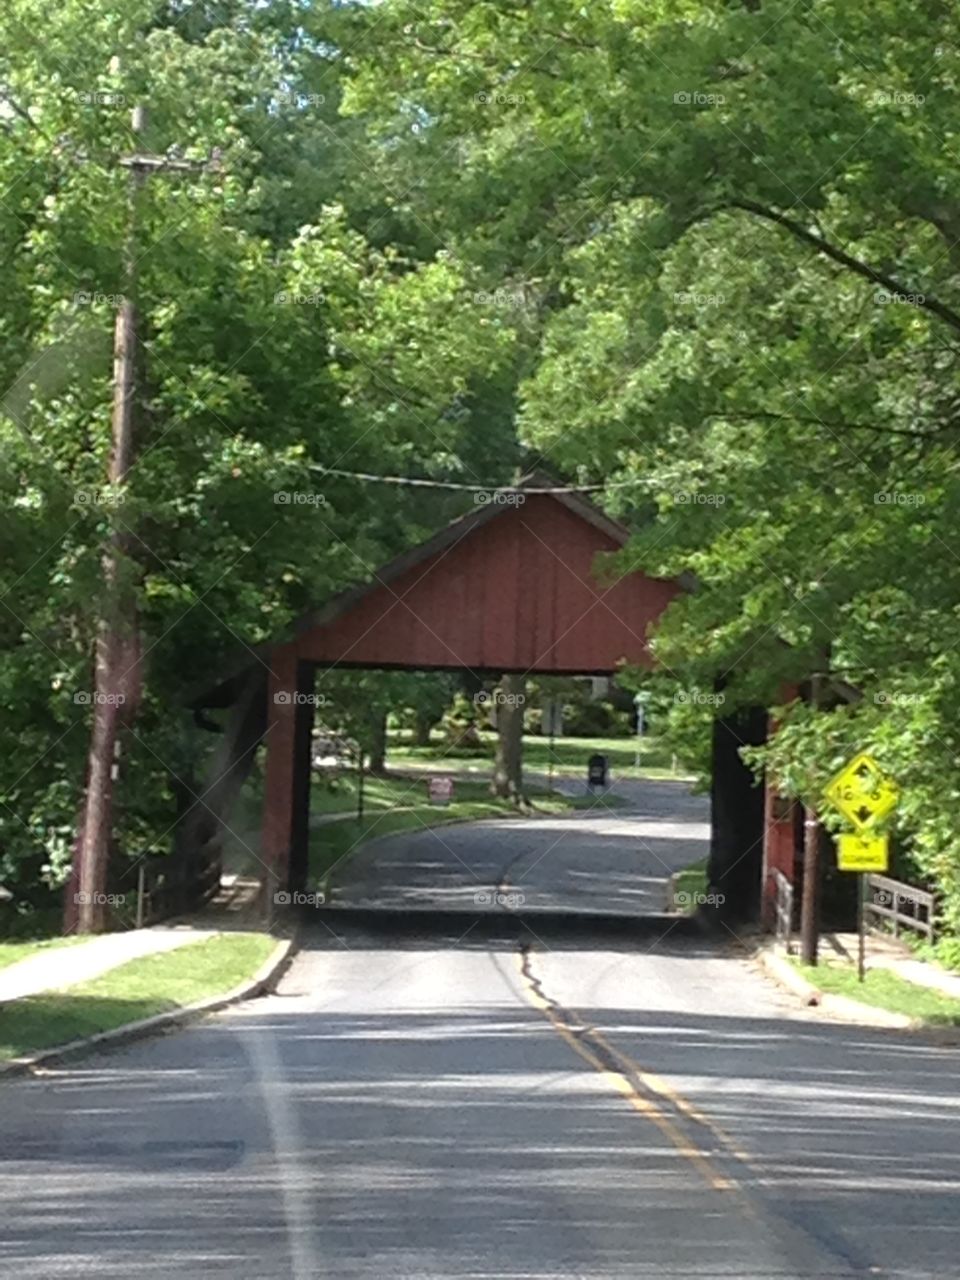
461, 1095
601, 860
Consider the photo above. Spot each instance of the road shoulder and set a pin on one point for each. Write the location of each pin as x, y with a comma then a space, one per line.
262, 979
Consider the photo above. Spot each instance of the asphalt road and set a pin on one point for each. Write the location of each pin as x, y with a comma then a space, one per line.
463, 1095
601, 860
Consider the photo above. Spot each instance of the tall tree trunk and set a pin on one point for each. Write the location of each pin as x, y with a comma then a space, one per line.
508, 767
378, 743
227, 769
422, 724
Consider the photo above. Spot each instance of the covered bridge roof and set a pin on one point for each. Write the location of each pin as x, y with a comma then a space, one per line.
511, 586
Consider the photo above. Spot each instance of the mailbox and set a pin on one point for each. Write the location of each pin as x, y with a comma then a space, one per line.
597, 771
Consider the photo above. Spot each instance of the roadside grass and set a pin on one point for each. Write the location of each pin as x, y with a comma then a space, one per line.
385, 798
690, 883
379, 793
23, 949
885, 990
139, 989
409, 789
568, 755
332, 842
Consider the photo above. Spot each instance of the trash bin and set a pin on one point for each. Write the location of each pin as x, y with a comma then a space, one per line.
597, 771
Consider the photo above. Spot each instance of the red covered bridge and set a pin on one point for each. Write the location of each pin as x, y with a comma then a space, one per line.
519, 585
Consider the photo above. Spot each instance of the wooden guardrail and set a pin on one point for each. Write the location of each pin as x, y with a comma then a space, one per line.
899, 904
783, 909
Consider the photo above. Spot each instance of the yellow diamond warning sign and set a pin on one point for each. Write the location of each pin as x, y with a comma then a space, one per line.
863, 792
863, 853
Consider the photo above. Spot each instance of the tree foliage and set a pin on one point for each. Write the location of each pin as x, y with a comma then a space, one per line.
739, 222
278, 339
705, 252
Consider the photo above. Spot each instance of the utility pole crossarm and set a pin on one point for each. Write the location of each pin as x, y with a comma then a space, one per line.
146, 162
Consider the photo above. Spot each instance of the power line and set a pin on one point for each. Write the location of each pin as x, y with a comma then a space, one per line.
419, 483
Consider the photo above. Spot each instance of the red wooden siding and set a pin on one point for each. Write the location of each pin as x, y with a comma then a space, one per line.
513, 592
517, 593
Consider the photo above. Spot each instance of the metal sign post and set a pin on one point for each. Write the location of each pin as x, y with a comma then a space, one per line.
864, 794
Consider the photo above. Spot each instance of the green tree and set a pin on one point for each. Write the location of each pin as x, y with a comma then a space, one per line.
739, 223
269, 355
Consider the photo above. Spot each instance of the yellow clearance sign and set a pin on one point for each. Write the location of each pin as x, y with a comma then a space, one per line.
863, 792
863, 852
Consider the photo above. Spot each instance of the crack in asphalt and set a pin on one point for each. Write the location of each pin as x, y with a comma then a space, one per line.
723, 1165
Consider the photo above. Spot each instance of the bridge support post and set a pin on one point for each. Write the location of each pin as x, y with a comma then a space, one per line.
302, 775
286, 797
736, 841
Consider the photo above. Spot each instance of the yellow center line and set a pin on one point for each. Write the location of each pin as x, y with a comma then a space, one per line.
656, 1084
623, 1085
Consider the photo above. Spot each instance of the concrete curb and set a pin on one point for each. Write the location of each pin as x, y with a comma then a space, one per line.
780, 969
262, 981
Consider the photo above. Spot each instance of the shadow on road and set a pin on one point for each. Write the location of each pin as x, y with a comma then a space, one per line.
461, 1142
408, 929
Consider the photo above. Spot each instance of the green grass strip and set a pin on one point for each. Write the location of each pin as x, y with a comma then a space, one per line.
139, 989
885, 990
690, 885
569, 756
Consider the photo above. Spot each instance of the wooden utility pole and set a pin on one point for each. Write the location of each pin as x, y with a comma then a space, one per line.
810, 902
117, 670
